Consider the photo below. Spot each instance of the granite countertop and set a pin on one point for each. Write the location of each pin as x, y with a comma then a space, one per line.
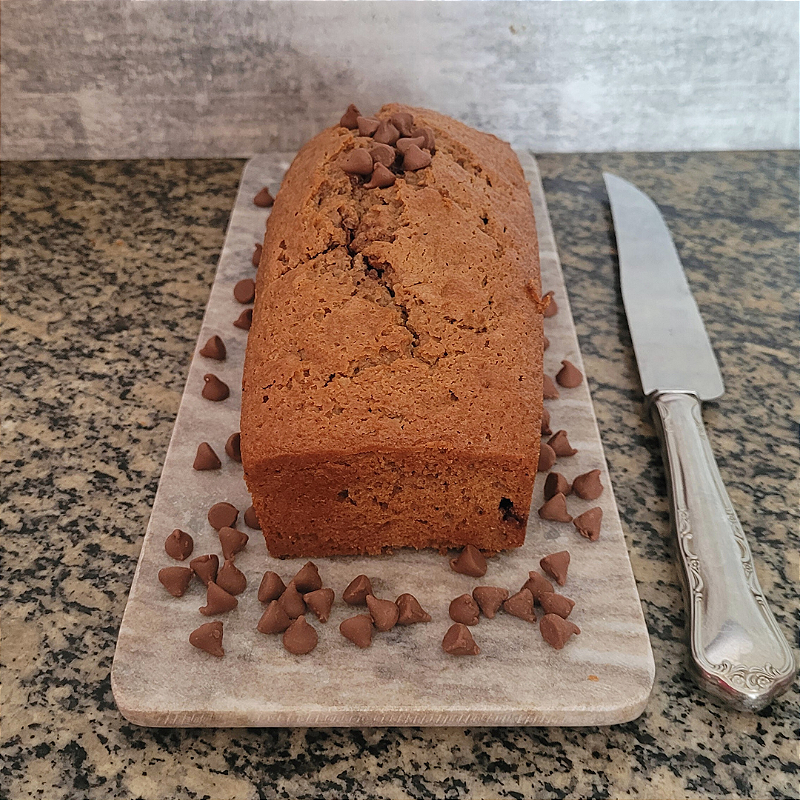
107, 268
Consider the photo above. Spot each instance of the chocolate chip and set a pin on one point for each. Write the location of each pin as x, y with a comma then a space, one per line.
179, 545
175, 580
307, 578
556, 630
381, 178
427, 134
300, 637
555, 484
588, 523
553, 603
555, 565
560, 444
357, 590
233, 447
383, 154
357, 162
549, 390
521, 605
546, 342
208, 637
458, 641
244, 320
415, 158
410, 610
552, 308
218, 601
470, 562
264, 199
320, 601
206, 458
251, 520
555, 509
205, 567
232, 541
546, 422
386, 133
271, 588
384, 613
489, 599
350, 118
214, 389
222, 515
245, 290
274, 619
358, 630
292, 601
588, 485
256, 258
231, 579
403, 121
403, 144
569, 376
367, 125
547, 457
537, 584
214, 348
465, 610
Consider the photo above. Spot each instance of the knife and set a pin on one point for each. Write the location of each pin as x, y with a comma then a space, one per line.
737, 651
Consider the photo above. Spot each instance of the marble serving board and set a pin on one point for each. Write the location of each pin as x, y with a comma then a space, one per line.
603, 676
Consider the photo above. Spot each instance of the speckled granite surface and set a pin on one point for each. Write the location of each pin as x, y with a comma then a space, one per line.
106, 269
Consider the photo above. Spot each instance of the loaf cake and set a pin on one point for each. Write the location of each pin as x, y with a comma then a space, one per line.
392, 388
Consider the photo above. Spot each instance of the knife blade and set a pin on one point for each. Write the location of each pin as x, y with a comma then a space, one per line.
737, 651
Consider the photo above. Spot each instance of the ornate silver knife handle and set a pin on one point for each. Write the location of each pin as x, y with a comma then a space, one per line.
737, 650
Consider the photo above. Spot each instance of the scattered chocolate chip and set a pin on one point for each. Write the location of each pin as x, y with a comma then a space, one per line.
222, 515
489, 599
546, 342
555, 509
357, 162
245, 290
521, 605
292, 601
465, 610
206, 458
320, 601
179, 545
555, 484
357, 590
381, 178
588, 485
233, 447
549, 390
214, 348
175, 580
403, 144
244, 320
552, 308
300, 637
231, 579
218, 601
546, 422
458, 641
256, 259
556, 565
470, 562
403, 121
386, 133
569, 376
588, 523
383, 154
367, 125
384, 613
350, 118
427, 134
271, 588
214, 389
547, 457
537, 584
307, 578
553, 603
205, 567
410, 610
232, 541
208, 637
414, 158
251, 520
556, 630
274, 619
264, 199
560, 444
358, 630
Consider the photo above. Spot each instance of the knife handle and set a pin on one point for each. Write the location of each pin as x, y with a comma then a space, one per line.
738, 652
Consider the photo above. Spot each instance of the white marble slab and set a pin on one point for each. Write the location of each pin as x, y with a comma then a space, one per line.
601, 677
